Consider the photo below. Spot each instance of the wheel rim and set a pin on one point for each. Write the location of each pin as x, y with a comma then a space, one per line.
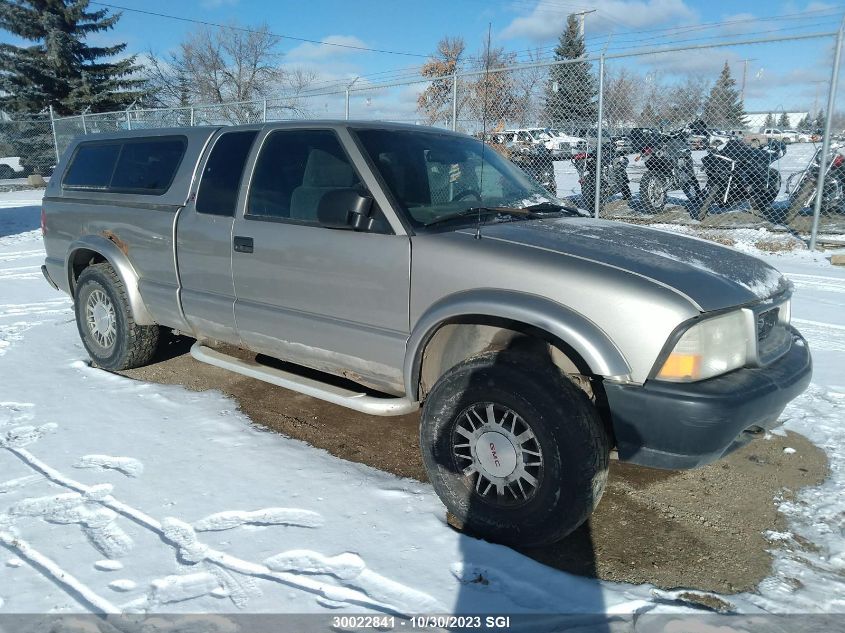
656, 192
498, 454
100, 318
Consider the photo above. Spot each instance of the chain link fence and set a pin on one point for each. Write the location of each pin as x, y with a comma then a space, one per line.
27, 147
655, 137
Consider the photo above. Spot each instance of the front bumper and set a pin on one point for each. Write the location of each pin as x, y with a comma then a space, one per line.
685, 425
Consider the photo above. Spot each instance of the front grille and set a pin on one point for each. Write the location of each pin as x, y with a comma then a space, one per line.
773, 337
766, 322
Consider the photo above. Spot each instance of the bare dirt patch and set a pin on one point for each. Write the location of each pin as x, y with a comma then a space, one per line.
701, 529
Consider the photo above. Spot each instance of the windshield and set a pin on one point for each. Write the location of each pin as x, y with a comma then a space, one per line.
433, 175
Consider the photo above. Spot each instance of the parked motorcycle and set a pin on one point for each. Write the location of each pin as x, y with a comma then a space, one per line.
669, 167
614, 173
537, 161
803, 187
736, 173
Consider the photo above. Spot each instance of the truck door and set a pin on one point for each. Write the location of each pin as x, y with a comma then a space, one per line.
204, 238
313, 293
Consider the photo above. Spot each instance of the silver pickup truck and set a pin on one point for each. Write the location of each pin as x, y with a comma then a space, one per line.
393, 267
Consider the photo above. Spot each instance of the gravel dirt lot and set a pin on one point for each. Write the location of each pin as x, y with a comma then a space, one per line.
703, 529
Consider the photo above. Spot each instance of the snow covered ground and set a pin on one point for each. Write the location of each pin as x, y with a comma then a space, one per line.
122, 496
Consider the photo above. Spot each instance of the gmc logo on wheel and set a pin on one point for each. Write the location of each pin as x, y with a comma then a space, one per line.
493, 453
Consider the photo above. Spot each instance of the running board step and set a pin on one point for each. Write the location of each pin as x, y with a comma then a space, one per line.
360, 402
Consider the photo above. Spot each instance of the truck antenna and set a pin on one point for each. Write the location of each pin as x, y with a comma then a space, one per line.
483, 126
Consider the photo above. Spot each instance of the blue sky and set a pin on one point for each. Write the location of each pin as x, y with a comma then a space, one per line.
787, 75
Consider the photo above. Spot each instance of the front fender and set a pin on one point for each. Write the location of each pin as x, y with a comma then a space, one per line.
122, 266
600, 354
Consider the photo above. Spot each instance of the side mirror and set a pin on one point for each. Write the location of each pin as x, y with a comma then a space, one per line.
345, 209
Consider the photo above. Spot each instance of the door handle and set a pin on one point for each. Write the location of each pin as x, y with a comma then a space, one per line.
242, 244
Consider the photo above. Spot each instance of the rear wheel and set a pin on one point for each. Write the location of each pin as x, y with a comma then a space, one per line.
516, 452
6, 172
105, 322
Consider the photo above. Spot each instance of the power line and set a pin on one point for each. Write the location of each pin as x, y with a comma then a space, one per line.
248, 30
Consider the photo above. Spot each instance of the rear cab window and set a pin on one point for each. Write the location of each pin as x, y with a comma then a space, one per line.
221, 176
142, 165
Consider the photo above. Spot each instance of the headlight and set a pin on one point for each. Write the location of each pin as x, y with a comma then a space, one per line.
710, 348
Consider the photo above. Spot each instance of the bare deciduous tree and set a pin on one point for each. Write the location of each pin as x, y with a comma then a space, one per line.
493, 95
435, 102
623, 96
227, 66
529, 85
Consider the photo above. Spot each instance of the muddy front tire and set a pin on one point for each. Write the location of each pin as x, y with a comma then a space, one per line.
105, 322
516, 452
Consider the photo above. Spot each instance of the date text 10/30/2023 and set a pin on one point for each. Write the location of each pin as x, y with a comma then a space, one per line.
391, 623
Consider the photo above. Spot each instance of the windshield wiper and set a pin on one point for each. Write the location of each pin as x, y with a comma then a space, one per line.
475, 211
551, 207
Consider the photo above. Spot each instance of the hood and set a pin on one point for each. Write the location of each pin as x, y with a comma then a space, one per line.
713, 276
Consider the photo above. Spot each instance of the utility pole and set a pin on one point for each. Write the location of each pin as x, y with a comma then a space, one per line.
580, 15
744, 74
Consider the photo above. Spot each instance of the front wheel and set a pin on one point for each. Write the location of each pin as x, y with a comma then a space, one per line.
105, 322
699, 212
515, 451
653, 190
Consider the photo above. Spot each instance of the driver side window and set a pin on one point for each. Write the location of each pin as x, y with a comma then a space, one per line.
298, 174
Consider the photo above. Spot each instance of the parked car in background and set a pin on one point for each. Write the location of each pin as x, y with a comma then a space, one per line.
792, 136
433, 274
528, 137
761, 138
576, 143
10, 167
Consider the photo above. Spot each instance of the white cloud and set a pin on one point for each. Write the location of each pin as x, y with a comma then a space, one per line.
309, 51
547, 20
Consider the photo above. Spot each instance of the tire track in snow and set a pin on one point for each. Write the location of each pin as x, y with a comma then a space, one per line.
822, 336
818, 282
9, 257
52, 306
21, 272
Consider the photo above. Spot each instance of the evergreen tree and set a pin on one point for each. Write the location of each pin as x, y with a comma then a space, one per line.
60, 68
783, 121
769, 121
724, 108
571, 88
805, 122
819, 121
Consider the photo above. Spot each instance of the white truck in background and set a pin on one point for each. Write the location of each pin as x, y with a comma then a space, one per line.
10, 167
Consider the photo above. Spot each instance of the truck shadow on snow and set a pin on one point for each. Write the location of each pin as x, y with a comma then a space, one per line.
14, 220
